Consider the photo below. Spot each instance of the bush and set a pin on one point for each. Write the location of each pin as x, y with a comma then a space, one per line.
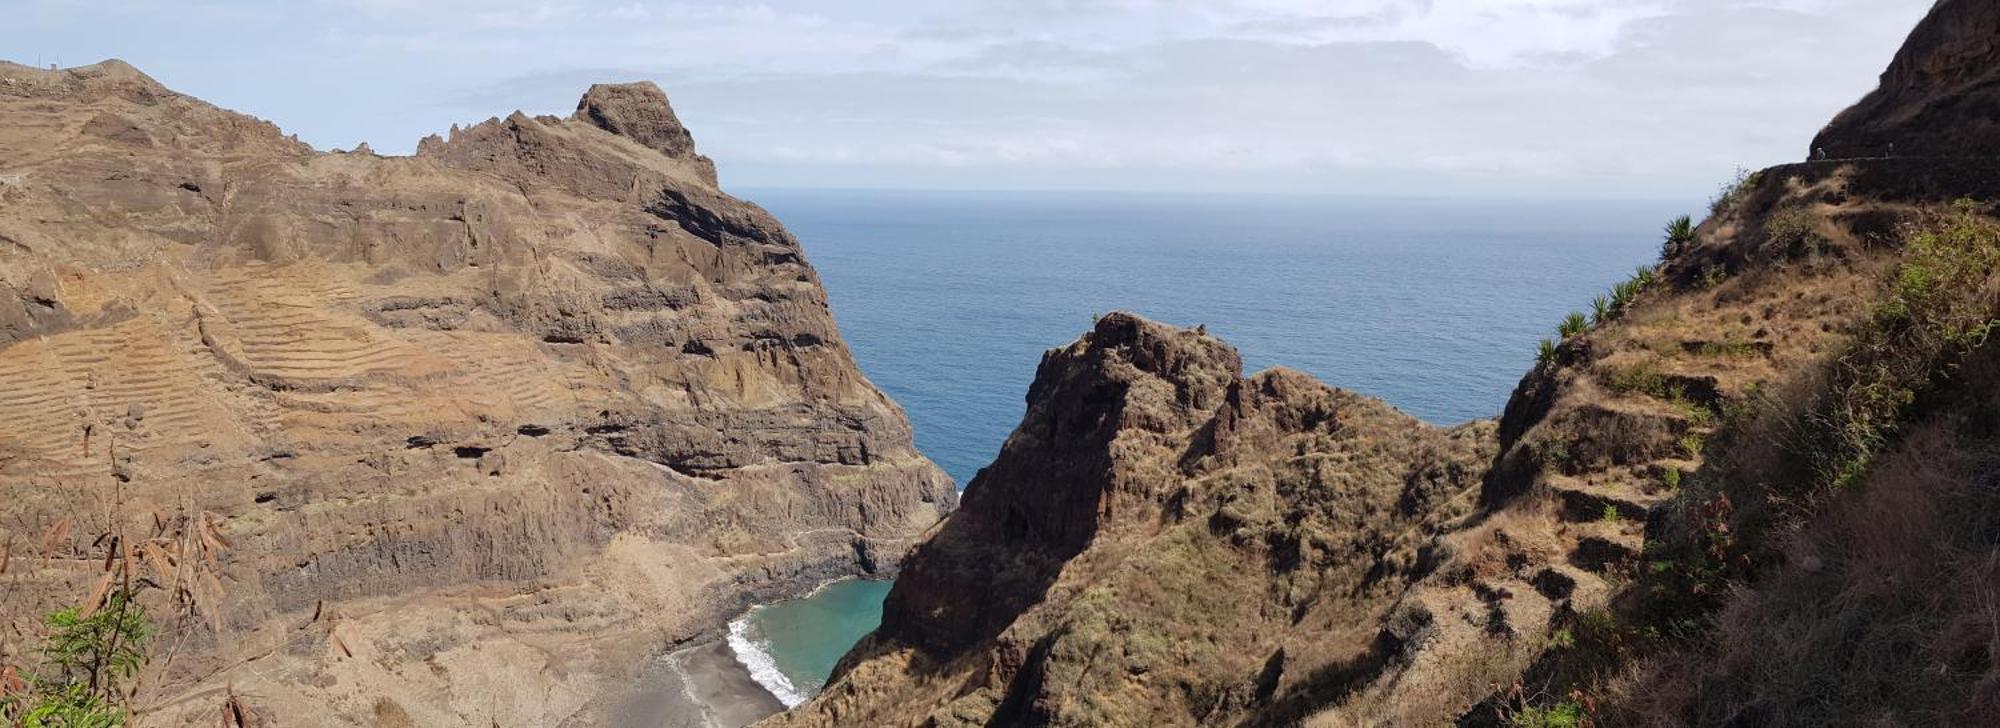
1793, 231
1733, 192
1572, 325
1566, 714
1680, 234
88, 653
1936, 309
1545, 351
1600, 310
1642, 378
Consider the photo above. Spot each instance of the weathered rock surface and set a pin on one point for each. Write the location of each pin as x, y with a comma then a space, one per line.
1648, 537
1161, 541
470, 434
1940, 96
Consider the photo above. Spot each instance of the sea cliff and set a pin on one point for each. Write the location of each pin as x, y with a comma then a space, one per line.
459, 438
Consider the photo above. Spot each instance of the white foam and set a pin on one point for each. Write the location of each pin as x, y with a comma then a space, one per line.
756, 657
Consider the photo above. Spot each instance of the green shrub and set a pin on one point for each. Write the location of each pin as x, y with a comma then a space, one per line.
1690, 445
1572, 325
1673, 478
1545, 351
1680, 234
1600, 310
1935, 310
86, 656
1793, 231
1646, 275
1732, 348
1562, 638
1566, 714
1733, 191
1641, 378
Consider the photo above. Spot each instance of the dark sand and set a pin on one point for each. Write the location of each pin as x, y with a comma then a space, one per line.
698, 687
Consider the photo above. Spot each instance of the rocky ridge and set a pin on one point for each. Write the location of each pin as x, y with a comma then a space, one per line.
1679, 519
1161, 541
457, 438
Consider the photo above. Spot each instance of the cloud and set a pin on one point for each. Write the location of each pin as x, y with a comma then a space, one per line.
1621, 97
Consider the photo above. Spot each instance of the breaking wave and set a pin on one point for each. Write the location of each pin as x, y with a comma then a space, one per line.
755, 654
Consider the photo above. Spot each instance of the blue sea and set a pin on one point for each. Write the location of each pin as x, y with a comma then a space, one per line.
949, 299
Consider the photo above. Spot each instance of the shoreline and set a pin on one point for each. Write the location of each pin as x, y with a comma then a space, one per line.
701, 685
705, 684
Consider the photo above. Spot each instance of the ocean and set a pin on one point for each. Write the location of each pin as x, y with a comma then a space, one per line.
948, 300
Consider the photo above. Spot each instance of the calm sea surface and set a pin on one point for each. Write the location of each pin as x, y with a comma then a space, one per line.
949, 299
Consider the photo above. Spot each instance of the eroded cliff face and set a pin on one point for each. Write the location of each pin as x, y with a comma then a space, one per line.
1940, 96
458, 438
1757, 491
1161, 541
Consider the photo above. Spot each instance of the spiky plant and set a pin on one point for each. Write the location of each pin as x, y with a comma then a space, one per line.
1646, 275
1622, 296
1680, 233
1600, 310
1572, 325
1545, 352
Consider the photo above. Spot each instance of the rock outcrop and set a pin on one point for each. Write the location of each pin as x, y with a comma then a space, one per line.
1757, 490
452, 439
1161, 541
1940, 96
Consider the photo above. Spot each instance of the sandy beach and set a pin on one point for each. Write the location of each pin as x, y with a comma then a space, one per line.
697, 687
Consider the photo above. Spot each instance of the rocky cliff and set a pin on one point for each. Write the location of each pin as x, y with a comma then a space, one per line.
1161, 541
1940, 96
451, 439
1755, 488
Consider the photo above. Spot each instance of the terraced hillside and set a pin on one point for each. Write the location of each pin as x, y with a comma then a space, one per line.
458, 438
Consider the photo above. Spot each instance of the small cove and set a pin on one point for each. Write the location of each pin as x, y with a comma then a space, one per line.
790, 647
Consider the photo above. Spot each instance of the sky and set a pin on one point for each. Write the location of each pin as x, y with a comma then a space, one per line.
1498, 98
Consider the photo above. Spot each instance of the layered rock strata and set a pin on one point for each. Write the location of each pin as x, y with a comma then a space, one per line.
451, 439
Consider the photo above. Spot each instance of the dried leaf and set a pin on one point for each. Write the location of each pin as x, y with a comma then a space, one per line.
234, 714
96, 599
156, 555
213, 531
55, 533
214, 598
333, 637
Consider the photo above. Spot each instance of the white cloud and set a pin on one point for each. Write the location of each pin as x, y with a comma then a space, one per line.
1568, 96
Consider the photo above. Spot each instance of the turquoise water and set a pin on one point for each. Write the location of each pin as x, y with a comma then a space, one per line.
949, 299
791, 646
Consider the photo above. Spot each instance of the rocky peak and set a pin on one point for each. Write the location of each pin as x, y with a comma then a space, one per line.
1157, 521
1939, 95
640, 112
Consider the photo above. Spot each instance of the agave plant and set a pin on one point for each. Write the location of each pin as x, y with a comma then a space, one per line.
1572, 325
1600, 310
1622, 295
1646, 275
1680, 233
1545, 351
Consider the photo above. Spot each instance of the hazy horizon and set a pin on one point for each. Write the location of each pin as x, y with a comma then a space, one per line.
1632, 99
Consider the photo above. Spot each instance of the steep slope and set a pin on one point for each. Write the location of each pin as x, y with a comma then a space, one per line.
1940, 96
1757, 490
1161, 541
458, 438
